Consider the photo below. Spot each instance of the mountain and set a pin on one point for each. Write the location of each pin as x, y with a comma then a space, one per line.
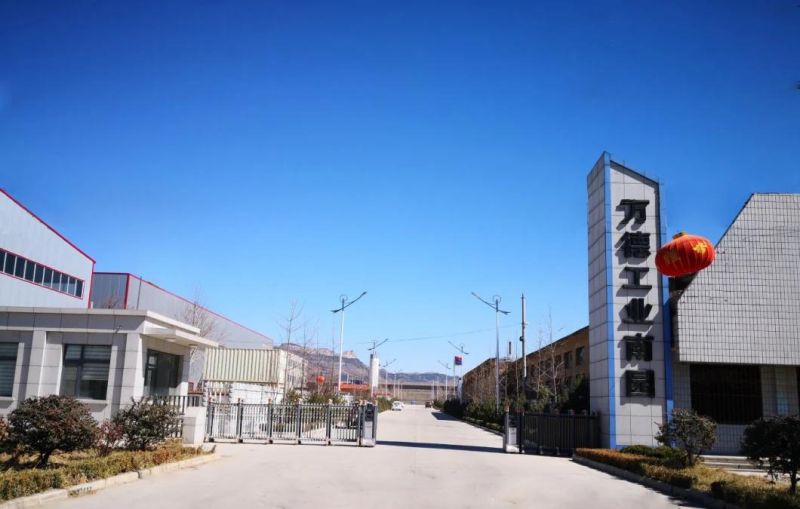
324, 361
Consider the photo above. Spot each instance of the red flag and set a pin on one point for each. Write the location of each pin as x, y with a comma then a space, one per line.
458, 360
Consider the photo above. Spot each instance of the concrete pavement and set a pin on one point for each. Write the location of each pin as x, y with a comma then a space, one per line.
423, 460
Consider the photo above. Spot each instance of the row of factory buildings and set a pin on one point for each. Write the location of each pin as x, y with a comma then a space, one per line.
724, 341
107, 337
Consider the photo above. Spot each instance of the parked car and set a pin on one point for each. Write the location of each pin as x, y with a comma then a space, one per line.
397, 405
428, 404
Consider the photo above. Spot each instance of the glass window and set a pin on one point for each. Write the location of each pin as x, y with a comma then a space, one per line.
568, 359
56, 280
63, 286
2, 259
162, 373
48, 278
8, 268
729, 394
85, 372
39, 274
79, 288
579, 356
19, 270
8, 365
30, 268
71, 285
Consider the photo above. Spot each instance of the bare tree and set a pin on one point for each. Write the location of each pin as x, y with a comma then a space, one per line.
197, 315
290, 324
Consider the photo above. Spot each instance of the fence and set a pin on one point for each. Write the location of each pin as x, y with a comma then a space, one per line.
309, 423
552, 433
179, 403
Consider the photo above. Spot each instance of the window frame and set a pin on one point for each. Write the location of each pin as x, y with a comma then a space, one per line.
151, 372
25, 269
79, 364
14, 359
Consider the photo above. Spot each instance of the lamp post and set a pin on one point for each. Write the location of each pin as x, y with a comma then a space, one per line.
497, 311
345, 305
386, 375
446, 386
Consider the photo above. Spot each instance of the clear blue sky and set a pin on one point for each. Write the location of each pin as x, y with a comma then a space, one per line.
266, 152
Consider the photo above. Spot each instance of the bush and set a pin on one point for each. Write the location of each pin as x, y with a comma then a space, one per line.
669, 476
384, 404
109, 436
44, 425
145, 423
15, 484
667, 456
691, 432
753, 497
775, 442
630, 462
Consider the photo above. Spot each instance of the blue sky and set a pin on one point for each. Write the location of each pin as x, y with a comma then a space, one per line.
266, 151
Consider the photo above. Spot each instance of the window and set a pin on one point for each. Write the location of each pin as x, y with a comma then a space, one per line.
36, 273
85, 373
162, 373
729, 394
8, 365
568, 360
19, 269
8, 268
579, 356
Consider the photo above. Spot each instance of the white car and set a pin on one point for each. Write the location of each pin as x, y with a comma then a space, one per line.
397, 405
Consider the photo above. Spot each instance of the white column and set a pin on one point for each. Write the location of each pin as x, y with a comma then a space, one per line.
36, 364
133, 369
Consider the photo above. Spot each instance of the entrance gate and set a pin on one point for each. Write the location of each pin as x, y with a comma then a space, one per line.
299, 423
557, 434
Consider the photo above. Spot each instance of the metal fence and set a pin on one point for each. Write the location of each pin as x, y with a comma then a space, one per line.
299, 423
179, 403
558, 434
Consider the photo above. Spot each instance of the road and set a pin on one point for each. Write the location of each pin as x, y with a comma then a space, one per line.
423, 460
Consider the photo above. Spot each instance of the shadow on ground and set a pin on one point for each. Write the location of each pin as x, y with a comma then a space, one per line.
443, 416
451, 447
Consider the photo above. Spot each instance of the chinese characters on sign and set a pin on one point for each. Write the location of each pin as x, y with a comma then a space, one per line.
635, 246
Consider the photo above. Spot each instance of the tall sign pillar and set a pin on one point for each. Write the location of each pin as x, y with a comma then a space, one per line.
629, 377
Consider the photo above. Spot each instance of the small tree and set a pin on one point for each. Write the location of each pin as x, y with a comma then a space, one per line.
690, 432
145, 423
775, 442
44, 425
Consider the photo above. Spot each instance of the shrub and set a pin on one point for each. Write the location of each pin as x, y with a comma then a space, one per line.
109, 436
44, 425
669, 476
691, 432
775, 442
384, 404
753, 497
15, 484
630, 462
145, 423
668, 456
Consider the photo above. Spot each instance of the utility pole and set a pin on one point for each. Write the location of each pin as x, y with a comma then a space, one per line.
497, 311
386, 375
446, 386
463, 352
345, 305
522, 340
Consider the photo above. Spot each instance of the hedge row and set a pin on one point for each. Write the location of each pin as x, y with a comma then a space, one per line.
65, 472
656, 463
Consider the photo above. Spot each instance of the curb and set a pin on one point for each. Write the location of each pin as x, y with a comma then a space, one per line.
91, 487
668, 489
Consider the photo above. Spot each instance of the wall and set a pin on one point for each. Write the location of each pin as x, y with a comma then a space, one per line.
24, 234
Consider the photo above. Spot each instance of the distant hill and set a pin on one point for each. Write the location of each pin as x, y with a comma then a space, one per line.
324, 361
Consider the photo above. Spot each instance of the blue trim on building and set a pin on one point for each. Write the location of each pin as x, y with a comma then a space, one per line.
669, 402
612, 377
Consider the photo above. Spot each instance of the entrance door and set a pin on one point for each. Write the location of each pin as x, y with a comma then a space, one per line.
162, 373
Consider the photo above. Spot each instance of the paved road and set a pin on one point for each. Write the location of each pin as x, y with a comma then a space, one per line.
423, 460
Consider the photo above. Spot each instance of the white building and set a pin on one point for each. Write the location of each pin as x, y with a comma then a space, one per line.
250, 375
38, 265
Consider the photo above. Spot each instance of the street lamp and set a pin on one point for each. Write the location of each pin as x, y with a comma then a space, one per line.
345, 305
497, 311
386, 375
447, 368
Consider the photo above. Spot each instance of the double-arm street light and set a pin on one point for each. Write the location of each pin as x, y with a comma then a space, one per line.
497, 311
345, 304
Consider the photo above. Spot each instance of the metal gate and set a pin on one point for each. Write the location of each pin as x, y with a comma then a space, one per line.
300, 423
558, 434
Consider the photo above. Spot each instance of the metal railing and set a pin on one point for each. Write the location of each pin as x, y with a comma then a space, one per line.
299, 423
180, 404
558, 434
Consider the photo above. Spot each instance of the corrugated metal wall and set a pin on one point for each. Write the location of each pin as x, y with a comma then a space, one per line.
245, 365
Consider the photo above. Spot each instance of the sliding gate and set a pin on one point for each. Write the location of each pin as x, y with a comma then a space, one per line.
300, 423
558, 434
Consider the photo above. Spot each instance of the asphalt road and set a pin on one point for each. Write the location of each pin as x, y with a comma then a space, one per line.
423, 460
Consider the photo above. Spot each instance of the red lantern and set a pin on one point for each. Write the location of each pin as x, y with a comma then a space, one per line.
684, 254
320, 379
